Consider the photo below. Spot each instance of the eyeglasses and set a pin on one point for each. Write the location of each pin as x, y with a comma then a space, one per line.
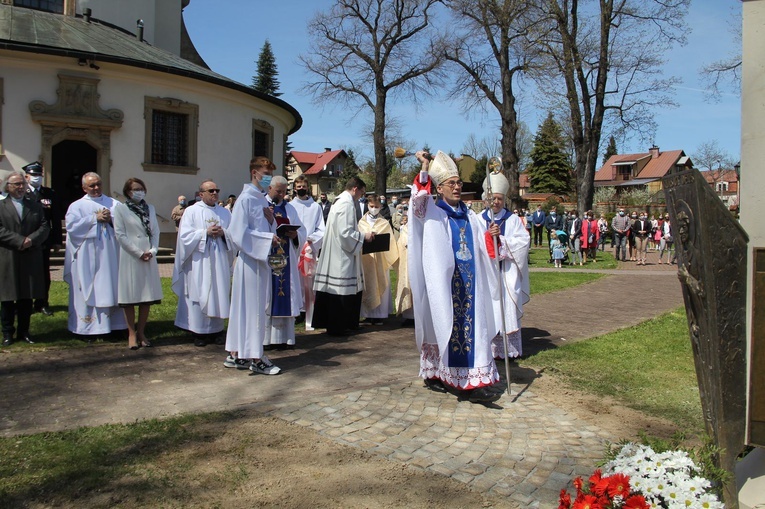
93, 186
211, 191
16, 184
452, 184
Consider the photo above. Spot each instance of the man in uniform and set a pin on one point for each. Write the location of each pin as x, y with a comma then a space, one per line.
54, 214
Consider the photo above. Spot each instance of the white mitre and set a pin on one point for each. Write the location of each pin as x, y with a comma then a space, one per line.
442, 168
499, 184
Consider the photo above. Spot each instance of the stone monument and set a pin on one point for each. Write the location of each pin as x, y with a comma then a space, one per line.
711, 256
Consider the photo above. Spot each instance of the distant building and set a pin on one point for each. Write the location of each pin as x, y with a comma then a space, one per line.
323, 169
86, 87
641, 171
725, 185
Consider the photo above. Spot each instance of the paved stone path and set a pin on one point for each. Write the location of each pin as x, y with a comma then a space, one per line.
362, 390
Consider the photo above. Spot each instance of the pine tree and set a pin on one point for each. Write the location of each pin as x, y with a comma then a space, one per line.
610, 150
265, 81
550, 168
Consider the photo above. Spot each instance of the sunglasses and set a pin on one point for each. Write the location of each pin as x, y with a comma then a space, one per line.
211, 191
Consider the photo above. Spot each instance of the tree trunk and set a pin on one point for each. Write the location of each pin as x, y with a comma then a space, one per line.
378, 137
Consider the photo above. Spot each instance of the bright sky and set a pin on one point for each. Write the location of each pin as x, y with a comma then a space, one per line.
229, 35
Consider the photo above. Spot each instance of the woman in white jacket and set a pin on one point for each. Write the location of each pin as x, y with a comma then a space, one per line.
137, 231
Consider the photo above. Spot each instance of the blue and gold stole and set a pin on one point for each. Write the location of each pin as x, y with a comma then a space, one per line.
461, 351
281, 303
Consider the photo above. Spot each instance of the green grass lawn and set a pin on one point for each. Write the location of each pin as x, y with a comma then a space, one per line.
648, 367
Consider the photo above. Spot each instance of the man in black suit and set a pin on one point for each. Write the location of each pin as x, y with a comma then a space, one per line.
325, 206
54, 214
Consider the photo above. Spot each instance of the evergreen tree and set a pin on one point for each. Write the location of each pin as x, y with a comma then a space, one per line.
610, 150
265, 81
550, 168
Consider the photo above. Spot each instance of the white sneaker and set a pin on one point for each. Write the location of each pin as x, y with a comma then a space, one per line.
233, 362
264, 367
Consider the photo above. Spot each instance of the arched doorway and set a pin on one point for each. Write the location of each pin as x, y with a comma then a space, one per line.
70, 160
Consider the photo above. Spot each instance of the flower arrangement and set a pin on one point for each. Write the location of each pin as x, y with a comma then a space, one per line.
640, 478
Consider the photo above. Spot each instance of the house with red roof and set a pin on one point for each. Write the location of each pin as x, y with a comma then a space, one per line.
323, 170
725, 185
644, 170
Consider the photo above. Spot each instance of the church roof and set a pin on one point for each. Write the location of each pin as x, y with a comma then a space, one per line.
33, 31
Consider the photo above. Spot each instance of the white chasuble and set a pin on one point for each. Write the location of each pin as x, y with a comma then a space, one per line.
202, 270
91, 268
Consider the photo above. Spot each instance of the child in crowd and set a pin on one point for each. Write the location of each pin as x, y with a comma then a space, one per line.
558, 250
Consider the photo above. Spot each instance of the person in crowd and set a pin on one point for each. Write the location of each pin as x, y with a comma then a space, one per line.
396, 217
253, 233
23, 232
667, 240
528, 221
620, 225
325, 205
204, 255
590, 236
229, 205
54, 215
653, 245
178, 210
513, 244
538, 219
376, 299
138, 284
404, 304
286, 288
310, 215
553, 222
558, 250
385, 212
574, 229
631, 241
91, 266
339, 279
454, 285
641, 228
658, 230
603, 232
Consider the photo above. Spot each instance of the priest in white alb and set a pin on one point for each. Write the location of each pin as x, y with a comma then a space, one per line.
286, 291
339, 279
454, 284
312, 218
513, 244
253, 232
91, 265
202, 272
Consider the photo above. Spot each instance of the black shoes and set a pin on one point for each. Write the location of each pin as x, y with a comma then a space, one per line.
45, 310
483, 395
7, 340
435, 385
28, 339
200, 341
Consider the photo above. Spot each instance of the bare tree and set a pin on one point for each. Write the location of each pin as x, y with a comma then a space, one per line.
492, 47
608, 54
364, 51
710, 157
725, 74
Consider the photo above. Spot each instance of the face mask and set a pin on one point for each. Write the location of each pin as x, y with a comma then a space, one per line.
265, 181
35, 181
183, 203
553, 214
621, 212
374, 211
137, 196
302, 192
395, 202
634, 217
